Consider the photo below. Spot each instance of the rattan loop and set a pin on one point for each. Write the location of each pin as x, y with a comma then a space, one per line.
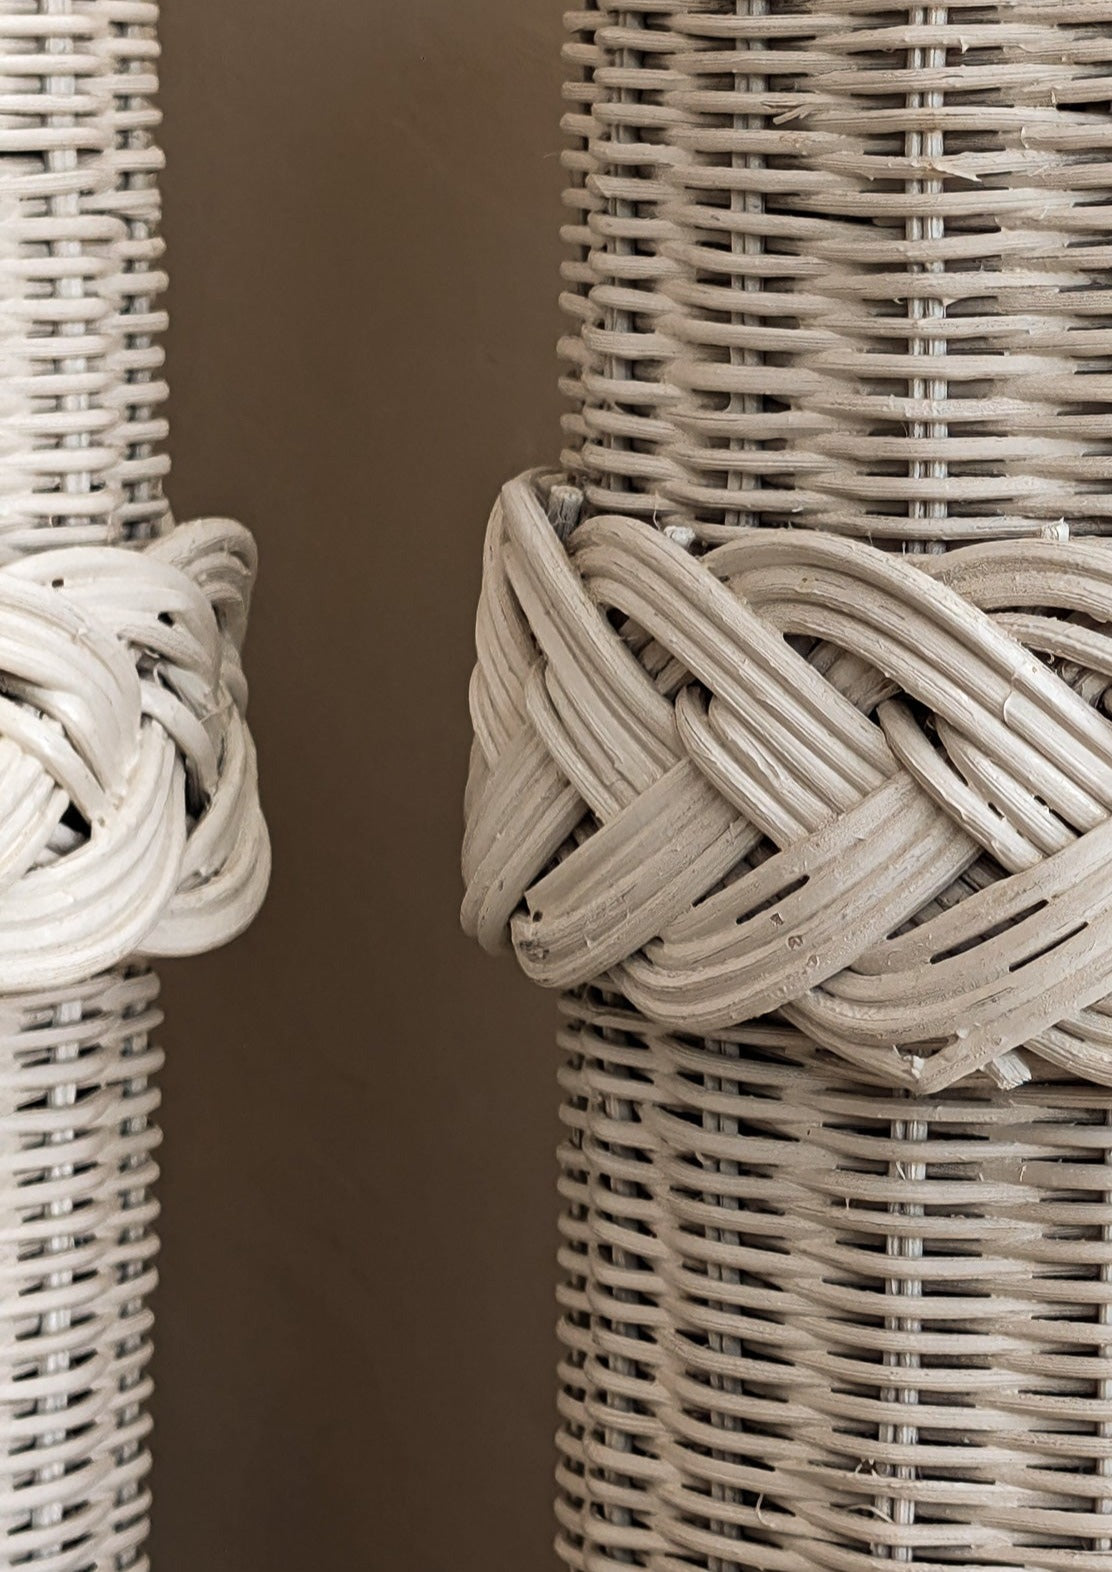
802, 774
795, 734
129, 812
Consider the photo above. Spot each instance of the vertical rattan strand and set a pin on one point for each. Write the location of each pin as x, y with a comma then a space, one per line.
133, 44
620, 1426
138, 361
926, 147
721, 1124
624, 214
66, 208
622, 221
57, 1321
739, 477
748, 200
902, 1430
580, 55
624, 1424
1102, 1503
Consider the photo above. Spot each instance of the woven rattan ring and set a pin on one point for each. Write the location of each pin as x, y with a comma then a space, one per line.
797, 773
129, 812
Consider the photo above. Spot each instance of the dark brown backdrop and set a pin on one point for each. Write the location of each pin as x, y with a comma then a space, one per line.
355, 1341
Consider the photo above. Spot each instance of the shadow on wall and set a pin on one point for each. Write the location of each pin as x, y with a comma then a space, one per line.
355, 1340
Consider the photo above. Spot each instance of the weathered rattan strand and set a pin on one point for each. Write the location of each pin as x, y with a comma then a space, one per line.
828, 615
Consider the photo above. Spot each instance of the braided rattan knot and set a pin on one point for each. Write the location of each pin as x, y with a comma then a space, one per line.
800, 774
129, 812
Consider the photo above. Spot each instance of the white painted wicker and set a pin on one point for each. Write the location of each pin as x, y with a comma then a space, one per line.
793, 759
129, 817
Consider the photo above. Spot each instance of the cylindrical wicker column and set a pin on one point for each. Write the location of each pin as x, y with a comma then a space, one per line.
793, 766
129, 820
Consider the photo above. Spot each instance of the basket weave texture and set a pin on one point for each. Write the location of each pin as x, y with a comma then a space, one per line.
855, 766
129, 817
794, 760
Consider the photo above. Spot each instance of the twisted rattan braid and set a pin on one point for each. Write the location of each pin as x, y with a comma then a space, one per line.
789, 210
103, 654
761, 844
792, 727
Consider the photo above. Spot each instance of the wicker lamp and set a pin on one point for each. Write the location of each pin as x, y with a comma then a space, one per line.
129, 818
793, 768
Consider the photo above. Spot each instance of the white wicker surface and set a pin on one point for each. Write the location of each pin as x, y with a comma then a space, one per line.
77, 1252
808, 709
129, 818
793, 756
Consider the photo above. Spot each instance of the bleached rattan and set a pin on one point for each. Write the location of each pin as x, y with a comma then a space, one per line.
129, 818
793, 758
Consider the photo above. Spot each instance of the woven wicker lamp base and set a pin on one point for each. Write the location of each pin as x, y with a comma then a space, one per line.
793, 766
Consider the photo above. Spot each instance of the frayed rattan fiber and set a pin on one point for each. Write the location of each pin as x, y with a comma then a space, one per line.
794, 762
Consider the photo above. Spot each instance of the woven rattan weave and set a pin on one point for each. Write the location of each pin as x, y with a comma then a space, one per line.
129, 819
812, 1322
794, 759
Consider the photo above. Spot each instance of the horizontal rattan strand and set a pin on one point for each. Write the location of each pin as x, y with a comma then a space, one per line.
810, 1321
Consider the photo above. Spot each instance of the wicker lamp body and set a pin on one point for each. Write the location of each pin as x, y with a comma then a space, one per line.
794, 767
129, 821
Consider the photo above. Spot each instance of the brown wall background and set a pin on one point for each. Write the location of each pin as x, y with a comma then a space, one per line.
355, 1344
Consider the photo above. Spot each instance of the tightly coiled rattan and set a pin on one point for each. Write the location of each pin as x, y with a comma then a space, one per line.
792, 757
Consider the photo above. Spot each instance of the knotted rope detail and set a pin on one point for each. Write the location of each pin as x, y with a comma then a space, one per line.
129, 812
794, 772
